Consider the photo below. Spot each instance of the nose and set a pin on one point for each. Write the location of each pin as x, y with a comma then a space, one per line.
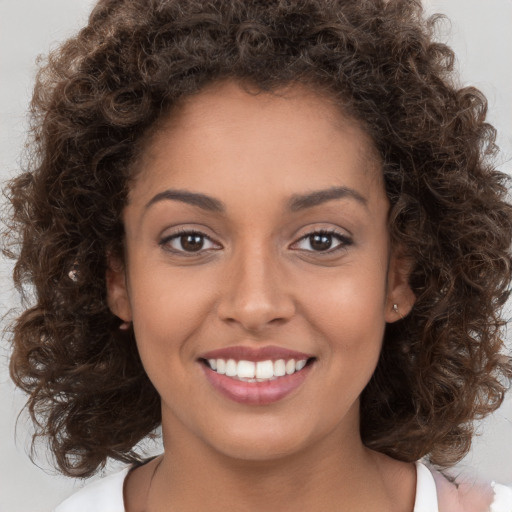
255, 294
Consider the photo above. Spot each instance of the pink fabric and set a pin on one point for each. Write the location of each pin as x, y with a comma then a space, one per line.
464, 496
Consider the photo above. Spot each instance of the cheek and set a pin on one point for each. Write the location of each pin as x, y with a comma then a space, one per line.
168, 309
349, 301
347, 312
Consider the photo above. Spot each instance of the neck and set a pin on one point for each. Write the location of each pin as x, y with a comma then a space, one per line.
327, 474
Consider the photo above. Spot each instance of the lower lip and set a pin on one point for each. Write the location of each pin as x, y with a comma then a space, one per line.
256, 393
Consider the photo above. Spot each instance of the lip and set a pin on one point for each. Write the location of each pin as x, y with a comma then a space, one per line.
255, 354
256, 393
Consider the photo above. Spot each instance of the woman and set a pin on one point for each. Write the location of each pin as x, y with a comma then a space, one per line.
273, 229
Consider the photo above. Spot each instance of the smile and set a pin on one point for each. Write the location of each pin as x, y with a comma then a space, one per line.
260, 371
256, 376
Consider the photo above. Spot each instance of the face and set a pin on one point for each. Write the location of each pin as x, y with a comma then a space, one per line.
258, 274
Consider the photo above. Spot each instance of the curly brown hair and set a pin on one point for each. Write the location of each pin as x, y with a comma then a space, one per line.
95, 101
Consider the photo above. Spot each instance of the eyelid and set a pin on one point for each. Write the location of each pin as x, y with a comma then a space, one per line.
164, 240
344, 239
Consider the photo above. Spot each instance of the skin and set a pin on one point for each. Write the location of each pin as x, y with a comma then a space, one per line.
258, 280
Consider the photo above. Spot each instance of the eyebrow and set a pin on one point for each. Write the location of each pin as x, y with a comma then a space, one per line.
203, 201
296, 203
304, 201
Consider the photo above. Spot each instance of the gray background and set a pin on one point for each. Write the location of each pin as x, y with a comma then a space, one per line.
481, 33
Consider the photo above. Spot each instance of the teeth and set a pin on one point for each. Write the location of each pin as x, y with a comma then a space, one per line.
256, 372
299, 365
221, 366
279, 368
231, 367
246, 369
264, 370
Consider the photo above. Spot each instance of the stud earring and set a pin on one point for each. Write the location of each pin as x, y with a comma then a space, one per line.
73, 275
125, 326
397, 311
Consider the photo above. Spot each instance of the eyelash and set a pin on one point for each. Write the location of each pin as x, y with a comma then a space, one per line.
344, 240
182, 233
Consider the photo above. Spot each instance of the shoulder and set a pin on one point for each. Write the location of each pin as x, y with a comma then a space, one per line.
502, 498
104, 495
465, 494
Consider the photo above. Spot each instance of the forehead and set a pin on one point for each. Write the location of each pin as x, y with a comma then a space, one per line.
228, 130
235, 97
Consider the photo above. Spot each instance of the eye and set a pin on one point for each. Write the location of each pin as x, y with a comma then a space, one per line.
188, 242
323, 242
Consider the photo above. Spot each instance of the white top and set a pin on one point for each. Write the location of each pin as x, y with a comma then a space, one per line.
106, 495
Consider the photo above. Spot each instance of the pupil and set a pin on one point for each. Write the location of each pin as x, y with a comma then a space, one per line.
192, 243
320, 242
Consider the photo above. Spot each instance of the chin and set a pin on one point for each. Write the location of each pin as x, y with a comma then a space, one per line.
258, 453
266, 443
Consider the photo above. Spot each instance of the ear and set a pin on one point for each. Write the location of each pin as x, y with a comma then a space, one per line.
117, 292
400, 298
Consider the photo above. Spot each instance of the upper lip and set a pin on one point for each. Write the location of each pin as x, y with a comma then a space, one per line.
255, 354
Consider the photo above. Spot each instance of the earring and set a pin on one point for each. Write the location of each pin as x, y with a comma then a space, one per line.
397, 311
73, 275
74, 272
125, 326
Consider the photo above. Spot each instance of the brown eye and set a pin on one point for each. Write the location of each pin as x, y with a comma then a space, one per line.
188, 242
320, 241
191, 242
323, 242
